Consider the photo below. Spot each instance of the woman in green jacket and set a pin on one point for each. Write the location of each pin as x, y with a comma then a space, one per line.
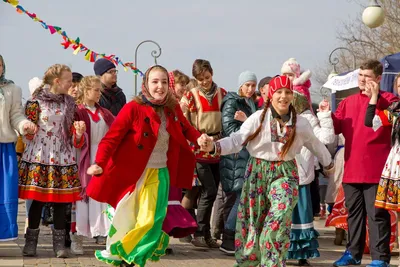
235, 108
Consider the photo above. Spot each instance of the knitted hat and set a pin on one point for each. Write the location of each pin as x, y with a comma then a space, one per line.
245, 77
34, 84
302, 96
291, 66
76, 77
279, 82
263, 82
102, 65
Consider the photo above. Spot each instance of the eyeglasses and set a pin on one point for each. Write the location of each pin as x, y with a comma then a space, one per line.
112, 72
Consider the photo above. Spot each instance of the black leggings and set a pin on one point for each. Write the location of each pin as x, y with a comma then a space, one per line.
35, 214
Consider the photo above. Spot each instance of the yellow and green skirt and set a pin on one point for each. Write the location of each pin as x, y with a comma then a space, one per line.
136, 234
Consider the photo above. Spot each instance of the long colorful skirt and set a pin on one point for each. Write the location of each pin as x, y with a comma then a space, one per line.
8, 192
136, 234
268, 198
303, 236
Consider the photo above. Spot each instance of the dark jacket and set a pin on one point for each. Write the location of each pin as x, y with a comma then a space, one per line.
233, 167
112, 99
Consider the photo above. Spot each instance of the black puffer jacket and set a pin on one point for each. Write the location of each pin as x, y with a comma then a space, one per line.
233, 167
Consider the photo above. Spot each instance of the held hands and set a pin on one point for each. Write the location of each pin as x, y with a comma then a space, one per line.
80, 128
30, 128
324, 106
240, 116
94, 170
206, 143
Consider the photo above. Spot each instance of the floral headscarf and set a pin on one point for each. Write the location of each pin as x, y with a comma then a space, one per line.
3, 80
145, 90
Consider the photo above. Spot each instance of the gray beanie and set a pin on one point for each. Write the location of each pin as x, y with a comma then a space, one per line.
246, 76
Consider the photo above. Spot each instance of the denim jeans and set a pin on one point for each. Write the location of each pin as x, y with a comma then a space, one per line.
231, 222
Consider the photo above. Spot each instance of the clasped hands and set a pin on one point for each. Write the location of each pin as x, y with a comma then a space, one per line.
30, 128
206, 143
80, 128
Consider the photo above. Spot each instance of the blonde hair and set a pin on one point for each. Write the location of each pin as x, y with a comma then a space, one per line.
53, 72
86, 84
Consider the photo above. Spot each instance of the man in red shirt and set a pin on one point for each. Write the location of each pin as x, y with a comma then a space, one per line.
365, 154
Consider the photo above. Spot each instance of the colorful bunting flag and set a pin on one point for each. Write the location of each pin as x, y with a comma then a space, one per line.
76, 44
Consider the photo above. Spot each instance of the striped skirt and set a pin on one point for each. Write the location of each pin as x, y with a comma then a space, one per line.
136, 235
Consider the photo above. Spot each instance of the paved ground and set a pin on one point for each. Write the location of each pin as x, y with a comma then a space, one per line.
184, 254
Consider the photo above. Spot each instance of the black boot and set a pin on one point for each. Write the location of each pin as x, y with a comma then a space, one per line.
228, 242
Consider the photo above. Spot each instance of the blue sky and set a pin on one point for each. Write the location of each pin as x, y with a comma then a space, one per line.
234, 35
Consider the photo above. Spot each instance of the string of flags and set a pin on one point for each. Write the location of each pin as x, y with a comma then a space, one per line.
75, 44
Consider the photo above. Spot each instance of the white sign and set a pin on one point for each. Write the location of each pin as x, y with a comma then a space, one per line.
343, 82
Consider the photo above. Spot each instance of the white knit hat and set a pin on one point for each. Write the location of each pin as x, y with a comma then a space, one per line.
291, 66
34, 84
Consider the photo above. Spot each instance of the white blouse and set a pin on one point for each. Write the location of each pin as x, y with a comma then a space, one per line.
267, 145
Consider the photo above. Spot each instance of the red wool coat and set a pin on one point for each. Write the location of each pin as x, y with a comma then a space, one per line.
125, 150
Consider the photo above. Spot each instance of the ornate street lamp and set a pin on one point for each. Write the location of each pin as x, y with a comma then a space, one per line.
373, 16
155, 54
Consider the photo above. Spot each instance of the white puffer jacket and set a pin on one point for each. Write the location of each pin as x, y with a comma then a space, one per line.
323, 130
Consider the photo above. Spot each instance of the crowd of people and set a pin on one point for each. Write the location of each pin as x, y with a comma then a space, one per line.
189, 159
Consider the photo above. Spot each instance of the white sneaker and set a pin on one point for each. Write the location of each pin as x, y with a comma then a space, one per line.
76, 244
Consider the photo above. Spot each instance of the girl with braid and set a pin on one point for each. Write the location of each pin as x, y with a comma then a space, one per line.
273, 136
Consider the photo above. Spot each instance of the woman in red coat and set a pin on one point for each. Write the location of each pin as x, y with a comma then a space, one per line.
144, 152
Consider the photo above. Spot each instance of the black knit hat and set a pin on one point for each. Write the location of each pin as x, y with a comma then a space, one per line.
76, 77
102, 65
263, 82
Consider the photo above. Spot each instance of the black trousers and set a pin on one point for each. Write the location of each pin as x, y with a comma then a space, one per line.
209, 177
360, 200
35, 214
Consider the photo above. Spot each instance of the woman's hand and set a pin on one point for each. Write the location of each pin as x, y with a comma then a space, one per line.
206, 143
324, 106
30, 128
240, 116
80, 128
94, 170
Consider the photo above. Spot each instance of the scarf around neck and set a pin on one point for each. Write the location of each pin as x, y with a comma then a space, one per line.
209, 94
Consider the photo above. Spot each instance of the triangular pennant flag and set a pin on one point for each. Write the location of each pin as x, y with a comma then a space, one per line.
51, 28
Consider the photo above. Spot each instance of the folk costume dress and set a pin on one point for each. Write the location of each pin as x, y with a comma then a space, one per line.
11, 119
142, 154
48, 171
91, 217
270, 189
303, 236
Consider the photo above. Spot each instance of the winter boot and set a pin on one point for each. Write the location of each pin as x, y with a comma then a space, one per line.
76, 244
31, 241
228, 242
59, 243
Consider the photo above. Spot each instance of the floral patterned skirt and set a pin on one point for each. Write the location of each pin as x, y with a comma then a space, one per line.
269, 195
49, 183
388, 193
